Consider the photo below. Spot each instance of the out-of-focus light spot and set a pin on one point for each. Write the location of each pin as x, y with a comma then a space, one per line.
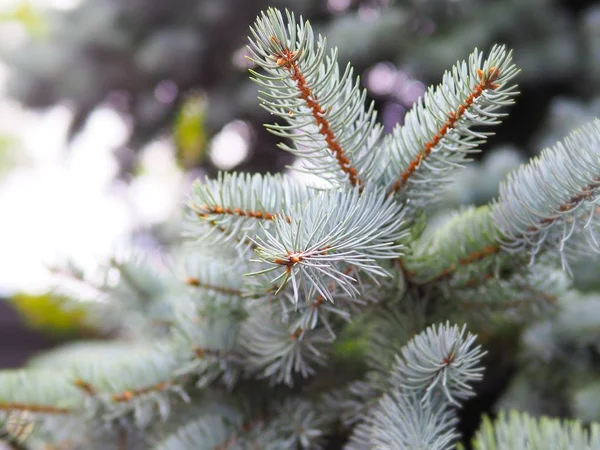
3, 78
91, 157
166, 91
157, 191
337, 6
393, 113
108, 126
158, 158
411, 92
231, 146
57, 4
240, 58
381, 78
119, 100
13, 35
62, 4
368, 13
44, 134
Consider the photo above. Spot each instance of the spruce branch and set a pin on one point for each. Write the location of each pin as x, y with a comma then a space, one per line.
40, 391
232, 207
438, 133
277, 350
210, 280
323, 107
551, 203
334, 229
441, 359
467, 244
207, 337
405, 422
515, 430
207, 432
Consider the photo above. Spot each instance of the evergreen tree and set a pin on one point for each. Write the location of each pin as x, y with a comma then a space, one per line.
238, 346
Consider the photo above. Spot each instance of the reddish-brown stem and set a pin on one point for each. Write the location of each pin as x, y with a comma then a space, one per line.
129, 395
195, 282
288, 61
449, 358
486, 82
293, 258
202, 352
469, 259
39, 409
205, 210
574, 201
495, 248
296, 334
85, 387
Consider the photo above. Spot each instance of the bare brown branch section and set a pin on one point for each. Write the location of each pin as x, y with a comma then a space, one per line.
201, 352
486, 82
39, 409
195, 282
129, 395
287, 60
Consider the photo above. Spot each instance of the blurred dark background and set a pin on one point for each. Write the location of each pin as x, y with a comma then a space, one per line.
174, 75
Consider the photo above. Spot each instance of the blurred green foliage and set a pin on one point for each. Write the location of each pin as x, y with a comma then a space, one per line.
25, 14
50, 314
189, 132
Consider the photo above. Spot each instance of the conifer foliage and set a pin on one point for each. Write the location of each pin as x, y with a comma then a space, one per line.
235, 347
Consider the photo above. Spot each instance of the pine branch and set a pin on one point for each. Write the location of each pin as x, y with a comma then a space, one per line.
520, 431
551, 203
324, 109
208, 338
404, 421
277, 350
437, 135
439, 359
235, 206
465, 246
335, 229
212, 280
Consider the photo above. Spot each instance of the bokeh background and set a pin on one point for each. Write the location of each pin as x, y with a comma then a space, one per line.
109, 109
